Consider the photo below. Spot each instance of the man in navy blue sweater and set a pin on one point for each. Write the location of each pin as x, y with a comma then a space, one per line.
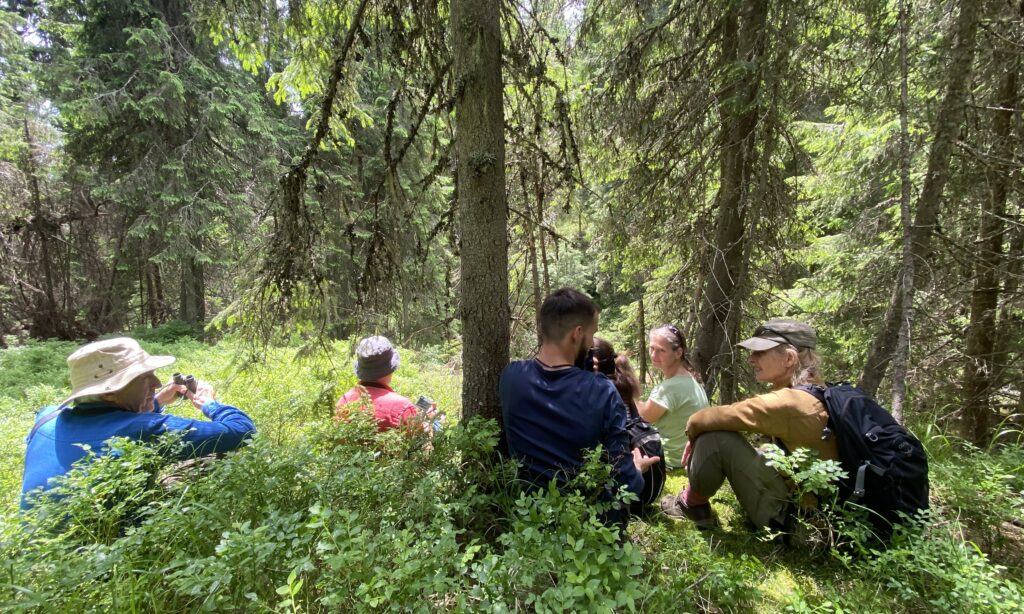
554, 410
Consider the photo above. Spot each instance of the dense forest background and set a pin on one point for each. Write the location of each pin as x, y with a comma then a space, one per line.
318, 169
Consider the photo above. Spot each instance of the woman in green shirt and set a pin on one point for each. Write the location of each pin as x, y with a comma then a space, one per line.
677, 397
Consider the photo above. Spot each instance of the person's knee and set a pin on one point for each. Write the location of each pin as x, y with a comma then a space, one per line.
717, 442
710, 451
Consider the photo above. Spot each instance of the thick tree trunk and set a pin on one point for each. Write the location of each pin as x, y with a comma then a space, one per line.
743, 45
480, 173
979, 370
1009, 322
947, 125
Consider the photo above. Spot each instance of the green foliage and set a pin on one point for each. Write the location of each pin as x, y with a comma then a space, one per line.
168, 332
984, 490
810, 475
936, 569
317, 515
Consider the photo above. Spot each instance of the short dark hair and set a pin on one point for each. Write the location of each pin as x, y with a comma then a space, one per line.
563, 310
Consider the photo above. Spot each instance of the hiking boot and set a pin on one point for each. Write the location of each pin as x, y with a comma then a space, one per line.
700, 515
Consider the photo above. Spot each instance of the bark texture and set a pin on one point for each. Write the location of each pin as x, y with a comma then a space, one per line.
979, 370
743, 46
483, 211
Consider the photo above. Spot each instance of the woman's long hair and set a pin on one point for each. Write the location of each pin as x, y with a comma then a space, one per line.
675, 338
618, 369
808, 368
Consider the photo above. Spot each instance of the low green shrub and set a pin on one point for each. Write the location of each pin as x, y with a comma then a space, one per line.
343, 518
168, 332
316, 515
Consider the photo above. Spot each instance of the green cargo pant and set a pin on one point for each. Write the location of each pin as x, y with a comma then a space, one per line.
725, 455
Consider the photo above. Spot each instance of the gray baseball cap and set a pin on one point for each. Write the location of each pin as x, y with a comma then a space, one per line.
778, 331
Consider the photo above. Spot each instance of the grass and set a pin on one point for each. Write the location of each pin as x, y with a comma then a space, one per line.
319, 517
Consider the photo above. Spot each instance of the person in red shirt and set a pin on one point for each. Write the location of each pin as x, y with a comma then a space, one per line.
376, 361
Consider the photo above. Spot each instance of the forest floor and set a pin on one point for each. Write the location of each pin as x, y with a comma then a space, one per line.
266, 511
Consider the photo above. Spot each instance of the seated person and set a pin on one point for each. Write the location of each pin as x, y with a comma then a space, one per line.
782, 354
554, 411
677, 397
115, 394
376, 361
617, 368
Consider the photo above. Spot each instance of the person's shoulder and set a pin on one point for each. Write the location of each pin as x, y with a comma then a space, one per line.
398, 399
685, 385
801, 399
518, 365
594, 379
788, 400
598, 384
516, 369
351, 395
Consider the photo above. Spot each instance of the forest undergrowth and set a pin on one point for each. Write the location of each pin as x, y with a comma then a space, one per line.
319, 516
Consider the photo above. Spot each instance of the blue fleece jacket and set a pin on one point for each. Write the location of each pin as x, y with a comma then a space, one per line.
57, 444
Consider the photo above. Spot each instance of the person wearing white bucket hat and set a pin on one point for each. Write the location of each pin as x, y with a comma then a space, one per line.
115, 393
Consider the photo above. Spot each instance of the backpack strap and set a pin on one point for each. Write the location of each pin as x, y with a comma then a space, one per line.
818, 392
48, 417
632, 413
858, 487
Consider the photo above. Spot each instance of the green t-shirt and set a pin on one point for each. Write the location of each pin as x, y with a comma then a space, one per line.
681, 396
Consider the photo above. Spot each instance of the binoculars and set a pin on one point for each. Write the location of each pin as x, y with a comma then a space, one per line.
187, 381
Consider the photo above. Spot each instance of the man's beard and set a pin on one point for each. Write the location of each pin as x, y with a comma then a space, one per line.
583, 358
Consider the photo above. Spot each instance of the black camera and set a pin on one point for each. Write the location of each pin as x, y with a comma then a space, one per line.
605, 366
425, 404
187, 381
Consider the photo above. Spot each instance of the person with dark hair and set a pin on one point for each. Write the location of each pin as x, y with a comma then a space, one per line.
617, 368
781, 354
642, 435
554, 410
678, 396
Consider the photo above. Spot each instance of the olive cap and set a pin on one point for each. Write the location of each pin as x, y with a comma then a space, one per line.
777, 331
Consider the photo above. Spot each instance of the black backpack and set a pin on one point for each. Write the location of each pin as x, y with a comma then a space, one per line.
647, 438
886, 466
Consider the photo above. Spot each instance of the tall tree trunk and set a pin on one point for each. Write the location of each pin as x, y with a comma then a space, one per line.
531, 233
902, 357
1009, 322
543, 249
743, 45
947, 125
483, 212
538, 197
979, 370
46, 321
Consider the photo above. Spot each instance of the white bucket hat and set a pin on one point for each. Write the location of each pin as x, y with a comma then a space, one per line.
107, 366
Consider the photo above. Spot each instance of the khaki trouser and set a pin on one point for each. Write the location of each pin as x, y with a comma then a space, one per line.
725, 455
